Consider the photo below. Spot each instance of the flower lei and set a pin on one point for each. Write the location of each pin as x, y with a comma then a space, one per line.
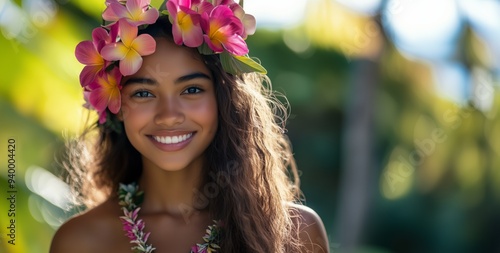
116, 50
128, 195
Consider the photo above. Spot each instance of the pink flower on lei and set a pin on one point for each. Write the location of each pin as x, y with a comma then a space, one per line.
88, 53
247, 20
130, 49
186, 27
86, 98
136, 12
104, 93
223, 30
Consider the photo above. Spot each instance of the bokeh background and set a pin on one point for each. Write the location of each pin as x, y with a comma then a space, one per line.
395, 118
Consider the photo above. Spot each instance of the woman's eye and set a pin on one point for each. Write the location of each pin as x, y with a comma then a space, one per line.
142, 94
192, 90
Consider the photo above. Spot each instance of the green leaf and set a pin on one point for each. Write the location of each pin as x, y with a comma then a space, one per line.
163, 8
234, 64
205, 49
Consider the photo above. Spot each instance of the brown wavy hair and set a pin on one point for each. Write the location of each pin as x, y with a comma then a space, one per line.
250, 167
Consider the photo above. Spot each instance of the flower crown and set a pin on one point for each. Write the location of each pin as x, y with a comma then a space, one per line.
116, 49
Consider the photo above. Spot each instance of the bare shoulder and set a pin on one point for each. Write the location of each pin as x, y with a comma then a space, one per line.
88, 232
311, 229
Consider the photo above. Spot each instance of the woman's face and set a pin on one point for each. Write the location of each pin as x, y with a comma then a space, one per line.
169, 108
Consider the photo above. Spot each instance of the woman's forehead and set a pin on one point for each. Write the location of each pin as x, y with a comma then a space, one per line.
171, 59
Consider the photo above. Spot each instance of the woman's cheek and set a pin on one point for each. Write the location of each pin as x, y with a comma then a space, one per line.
125, 110
135, 110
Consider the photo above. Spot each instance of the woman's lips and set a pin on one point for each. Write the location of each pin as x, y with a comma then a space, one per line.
172, 139
172, 142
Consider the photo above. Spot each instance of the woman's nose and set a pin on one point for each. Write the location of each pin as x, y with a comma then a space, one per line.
169, 112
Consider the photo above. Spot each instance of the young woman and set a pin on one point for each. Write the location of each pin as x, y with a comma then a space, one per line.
189, 152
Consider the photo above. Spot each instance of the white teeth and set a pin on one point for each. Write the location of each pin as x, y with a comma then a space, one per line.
172, 139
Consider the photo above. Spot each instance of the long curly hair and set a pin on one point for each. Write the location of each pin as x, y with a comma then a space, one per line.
250, 175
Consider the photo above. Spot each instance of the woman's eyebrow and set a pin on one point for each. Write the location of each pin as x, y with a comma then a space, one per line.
192, 76
140, 80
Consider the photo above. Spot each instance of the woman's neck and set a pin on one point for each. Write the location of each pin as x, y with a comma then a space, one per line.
171, 192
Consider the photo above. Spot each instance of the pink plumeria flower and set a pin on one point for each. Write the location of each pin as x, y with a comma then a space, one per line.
202, 7
88, 53
86, 97
105, 92
247, 20
130, 49
223, 31
136, 12
186, 28
223, 2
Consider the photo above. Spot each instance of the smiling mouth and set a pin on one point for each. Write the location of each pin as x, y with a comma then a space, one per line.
172, 139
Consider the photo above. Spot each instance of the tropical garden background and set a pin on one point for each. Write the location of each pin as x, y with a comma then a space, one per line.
395, 118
